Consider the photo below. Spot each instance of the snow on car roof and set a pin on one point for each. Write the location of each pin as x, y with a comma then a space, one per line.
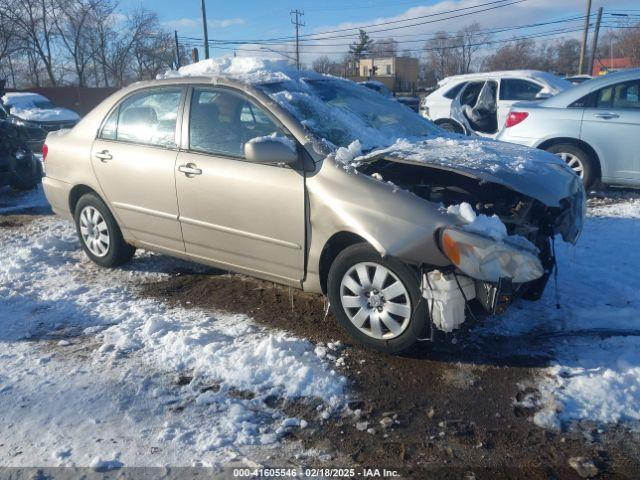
14, 98
334, 110
248, 70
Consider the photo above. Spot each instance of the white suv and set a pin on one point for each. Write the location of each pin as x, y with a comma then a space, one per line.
479, 102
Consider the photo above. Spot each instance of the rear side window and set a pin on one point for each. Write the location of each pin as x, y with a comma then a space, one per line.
517, 89
622, 95
148, 118
453, 92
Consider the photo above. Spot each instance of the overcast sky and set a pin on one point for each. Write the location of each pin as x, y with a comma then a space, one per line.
259, 19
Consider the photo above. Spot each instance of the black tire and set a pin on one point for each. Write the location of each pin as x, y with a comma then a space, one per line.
118, 251
418, 323
590, 168
450, 127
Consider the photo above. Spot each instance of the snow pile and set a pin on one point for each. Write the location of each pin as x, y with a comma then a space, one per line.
595, 335
345, 156
278, 138
121, 383
44, 114
24, 105
490, 226
246, 69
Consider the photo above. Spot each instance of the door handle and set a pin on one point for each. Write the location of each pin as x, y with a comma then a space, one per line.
606, 116
104, 156
190, 170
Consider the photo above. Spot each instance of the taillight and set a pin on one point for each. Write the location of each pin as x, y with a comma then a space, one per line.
45, 150
515, 118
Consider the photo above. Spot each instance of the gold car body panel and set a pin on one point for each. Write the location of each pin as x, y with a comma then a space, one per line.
269, 221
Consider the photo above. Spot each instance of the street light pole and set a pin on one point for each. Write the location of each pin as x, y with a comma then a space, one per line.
204, 27
585, 34
594, 46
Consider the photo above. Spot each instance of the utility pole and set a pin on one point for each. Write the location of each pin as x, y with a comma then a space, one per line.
206, 33
585, 34
296, 21
175, 36
594, 45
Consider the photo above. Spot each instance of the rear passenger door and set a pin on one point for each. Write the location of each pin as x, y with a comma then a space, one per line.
241, 215
134, 157
610, 124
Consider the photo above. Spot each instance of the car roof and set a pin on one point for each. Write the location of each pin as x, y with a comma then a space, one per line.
12, 98
578, 91
556, 83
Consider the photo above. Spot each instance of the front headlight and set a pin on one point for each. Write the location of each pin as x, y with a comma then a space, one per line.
485, 258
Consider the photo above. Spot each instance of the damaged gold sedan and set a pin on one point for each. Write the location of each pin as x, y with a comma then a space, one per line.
316, 183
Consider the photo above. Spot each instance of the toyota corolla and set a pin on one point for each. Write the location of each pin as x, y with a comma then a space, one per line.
317, 183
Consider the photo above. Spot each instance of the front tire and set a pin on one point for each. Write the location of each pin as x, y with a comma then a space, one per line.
377, 300
581, 162
99, 234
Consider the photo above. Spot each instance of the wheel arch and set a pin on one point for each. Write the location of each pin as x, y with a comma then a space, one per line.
332, 248
578, 143
455, 122
78, 191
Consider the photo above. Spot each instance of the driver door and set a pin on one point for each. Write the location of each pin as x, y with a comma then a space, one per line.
239, 215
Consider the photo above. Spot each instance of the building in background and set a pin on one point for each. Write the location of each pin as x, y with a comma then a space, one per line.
398, 74
602, 66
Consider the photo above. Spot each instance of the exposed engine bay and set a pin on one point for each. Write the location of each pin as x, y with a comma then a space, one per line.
447, 291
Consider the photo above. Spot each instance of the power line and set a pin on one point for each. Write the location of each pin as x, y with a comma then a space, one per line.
493, 5
490, 42
429, 37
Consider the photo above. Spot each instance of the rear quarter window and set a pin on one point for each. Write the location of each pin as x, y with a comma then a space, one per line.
453, 92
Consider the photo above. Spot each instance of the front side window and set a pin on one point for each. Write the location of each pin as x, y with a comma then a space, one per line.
515, 89
221, 122
148, 117
621, 95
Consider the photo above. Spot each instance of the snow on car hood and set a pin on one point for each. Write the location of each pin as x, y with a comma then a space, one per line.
534, 173
44, 115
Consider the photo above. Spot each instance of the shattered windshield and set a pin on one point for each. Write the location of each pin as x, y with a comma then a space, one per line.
341, 112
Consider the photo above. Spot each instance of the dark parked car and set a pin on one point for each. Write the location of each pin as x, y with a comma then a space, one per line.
19, 167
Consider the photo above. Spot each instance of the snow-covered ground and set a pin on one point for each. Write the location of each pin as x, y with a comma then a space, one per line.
91, 374
89, 371
595, 334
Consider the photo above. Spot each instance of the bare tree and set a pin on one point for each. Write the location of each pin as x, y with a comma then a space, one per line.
386, 47
468, 41
33, 29
441, 58
322, 64
74, 20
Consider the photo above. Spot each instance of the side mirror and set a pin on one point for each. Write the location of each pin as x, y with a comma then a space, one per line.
271, 150
543, 95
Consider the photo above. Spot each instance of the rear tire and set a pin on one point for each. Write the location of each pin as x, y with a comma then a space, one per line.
388, 313
582, 163
99, 234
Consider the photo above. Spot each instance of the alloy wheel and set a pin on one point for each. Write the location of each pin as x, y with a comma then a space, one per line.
94, 231
573, 161
375, 300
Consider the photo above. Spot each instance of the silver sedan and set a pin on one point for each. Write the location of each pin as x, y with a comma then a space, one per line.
594, 127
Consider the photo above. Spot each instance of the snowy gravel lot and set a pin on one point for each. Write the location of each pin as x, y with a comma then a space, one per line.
90, 375
94, 374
